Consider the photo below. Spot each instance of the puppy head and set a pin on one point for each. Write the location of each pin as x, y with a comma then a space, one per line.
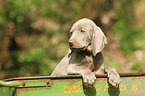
85, 35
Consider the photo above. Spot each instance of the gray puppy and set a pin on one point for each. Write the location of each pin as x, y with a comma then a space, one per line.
84, 56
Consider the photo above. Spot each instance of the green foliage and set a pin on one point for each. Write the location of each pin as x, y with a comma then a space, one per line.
126, 30
63, 10
131, 37
113, 63
46, 47
138, 66
24, 12
35, 60
47, 42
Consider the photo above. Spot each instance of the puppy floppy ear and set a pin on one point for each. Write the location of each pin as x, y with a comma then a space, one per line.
98, 41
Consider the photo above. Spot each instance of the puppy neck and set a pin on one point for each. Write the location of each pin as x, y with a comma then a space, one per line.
86, 52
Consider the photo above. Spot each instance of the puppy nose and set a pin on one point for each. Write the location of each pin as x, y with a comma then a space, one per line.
70, 43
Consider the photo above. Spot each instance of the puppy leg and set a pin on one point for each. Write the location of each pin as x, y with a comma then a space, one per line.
61, 68
99, 63
114, 78
89, 77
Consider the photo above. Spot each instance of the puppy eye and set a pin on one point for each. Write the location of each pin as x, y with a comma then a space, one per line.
82, 31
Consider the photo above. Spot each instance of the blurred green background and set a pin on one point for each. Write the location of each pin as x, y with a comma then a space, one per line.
34, 33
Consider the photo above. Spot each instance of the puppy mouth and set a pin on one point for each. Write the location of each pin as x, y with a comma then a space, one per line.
78, 49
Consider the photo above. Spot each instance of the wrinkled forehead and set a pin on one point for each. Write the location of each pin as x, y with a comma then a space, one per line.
83, 23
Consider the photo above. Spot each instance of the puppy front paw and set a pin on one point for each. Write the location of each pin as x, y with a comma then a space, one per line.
114, 78
89, 79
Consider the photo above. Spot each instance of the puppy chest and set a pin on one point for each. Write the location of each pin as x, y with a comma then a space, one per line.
89, 60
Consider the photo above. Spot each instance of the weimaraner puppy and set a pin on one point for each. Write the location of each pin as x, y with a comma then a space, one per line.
84, 56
